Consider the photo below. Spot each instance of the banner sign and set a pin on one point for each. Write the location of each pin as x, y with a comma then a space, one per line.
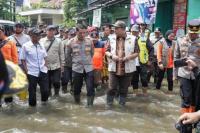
96, 18
180, 15
143, 11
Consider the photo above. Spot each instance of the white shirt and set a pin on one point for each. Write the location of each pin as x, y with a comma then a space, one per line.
34, 55
22, 39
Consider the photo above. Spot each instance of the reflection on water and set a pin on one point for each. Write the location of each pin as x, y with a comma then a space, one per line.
154, 114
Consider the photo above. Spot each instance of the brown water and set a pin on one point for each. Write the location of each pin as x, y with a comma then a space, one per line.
154, 114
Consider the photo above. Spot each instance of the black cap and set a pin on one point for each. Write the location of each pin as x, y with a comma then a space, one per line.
120, 24
158, 29
194, 26
2, 28
51, 27
19, 25
35, 31
72, 31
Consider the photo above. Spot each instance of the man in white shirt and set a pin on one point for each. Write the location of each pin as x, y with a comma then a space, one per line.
33, 56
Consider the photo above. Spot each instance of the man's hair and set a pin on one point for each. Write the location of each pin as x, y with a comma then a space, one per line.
80, 26
107, 26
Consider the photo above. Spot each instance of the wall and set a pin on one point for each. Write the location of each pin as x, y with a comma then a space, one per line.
193, 9
57, 19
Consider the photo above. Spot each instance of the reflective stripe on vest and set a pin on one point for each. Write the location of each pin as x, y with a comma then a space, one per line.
143, 55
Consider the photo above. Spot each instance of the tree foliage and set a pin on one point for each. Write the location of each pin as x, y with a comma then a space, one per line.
5, 7
71, 8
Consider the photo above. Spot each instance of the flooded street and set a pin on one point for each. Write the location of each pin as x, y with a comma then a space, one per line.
156, 113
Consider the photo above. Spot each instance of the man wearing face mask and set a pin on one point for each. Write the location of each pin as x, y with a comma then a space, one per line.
188, 47
165, 59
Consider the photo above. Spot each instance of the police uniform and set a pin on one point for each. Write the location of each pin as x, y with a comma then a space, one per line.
81, 53
187, 48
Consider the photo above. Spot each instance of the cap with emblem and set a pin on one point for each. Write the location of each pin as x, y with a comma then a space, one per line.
35, 31
51, 27
158, 29
72, 31
194, 26
120, 24
135, 28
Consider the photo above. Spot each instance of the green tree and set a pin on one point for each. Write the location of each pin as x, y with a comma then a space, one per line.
5, 9
71, 8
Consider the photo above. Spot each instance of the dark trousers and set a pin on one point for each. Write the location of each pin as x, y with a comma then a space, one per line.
161, 74
54, 79
187, 92
42, 80
66, 76
153, 71
78, 82
118, 84
141, 71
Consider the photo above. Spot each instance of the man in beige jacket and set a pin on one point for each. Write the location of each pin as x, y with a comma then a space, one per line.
55, 58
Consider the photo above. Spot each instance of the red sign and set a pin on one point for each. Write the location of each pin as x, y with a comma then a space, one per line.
180, 15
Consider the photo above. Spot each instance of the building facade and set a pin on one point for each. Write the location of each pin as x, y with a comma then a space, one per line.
43, 11
171, 14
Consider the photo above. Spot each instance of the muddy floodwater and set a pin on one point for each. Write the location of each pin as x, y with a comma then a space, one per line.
156, 113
